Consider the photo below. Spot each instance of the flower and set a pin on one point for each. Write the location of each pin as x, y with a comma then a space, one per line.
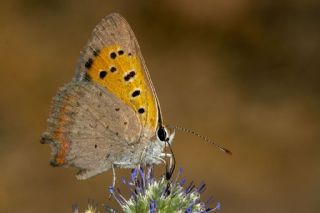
163, 195
92, 207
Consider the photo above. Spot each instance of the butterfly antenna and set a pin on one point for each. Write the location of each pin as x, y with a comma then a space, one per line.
203, 138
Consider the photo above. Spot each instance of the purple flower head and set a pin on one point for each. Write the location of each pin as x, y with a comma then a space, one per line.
151, 195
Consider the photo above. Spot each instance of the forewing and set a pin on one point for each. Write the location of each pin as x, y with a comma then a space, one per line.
112, 58
89, 128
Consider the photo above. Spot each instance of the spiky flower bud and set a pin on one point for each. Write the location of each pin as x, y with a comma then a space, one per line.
163, 195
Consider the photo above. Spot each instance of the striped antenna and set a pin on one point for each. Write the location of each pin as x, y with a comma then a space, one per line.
203, 138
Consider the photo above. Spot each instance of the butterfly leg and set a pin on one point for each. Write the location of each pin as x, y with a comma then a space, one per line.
164, 155
113, 180
113, 177
160, 159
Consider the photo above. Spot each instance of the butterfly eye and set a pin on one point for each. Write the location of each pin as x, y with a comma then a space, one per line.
162, 134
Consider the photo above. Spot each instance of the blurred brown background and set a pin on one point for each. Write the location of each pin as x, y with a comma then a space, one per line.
242, 72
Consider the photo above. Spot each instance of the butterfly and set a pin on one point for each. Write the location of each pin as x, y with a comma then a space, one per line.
109, 115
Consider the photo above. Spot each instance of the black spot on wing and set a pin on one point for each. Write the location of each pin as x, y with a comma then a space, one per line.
129, 75
135, 93
113, 69
141, 110
102, 74
96, 52
113, 55
89, 63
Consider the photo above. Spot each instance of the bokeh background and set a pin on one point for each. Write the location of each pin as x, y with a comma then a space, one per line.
242, 72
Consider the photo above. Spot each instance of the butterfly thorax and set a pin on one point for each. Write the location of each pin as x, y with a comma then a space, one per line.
149, 149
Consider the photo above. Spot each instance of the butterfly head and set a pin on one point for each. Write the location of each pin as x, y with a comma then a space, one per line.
165, 134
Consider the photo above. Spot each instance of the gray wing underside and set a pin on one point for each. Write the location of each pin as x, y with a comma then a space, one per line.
99, 128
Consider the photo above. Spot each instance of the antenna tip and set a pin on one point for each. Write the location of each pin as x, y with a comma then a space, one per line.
228, 151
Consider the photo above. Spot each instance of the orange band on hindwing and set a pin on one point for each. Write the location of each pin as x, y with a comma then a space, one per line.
61, 142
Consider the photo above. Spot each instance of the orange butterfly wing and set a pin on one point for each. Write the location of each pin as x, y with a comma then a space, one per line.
112, 59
